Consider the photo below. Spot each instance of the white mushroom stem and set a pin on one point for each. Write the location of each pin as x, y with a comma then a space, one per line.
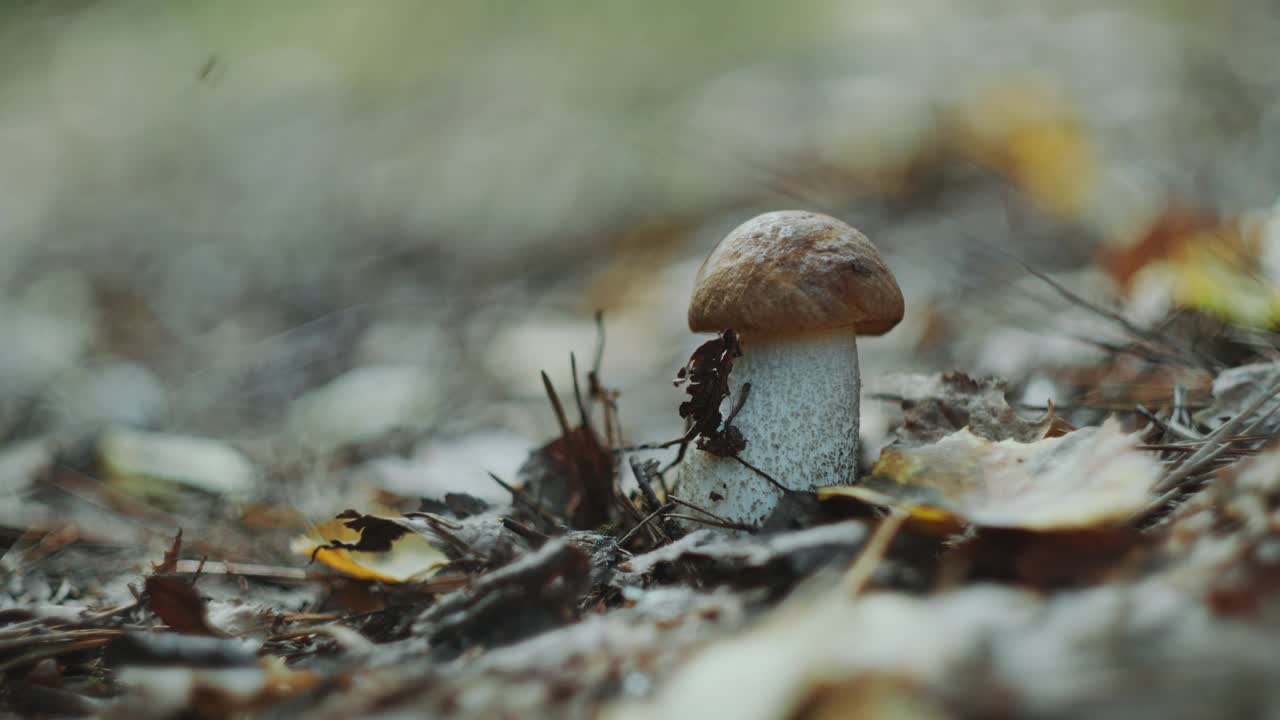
800, 421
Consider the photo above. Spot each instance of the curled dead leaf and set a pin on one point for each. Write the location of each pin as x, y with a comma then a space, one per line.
1091, 477
935, 406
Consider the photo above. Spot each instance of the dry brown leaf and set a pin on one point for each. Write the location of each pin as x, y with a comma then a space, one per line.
176, 602
935, 406
169, 563
1091, 477
1166, 236
572, 474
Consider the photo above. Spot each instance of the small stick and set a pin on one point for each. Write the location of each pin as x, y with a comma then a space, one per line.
782, 488
702, 510
1173, 483
434, 520
859, 574
641, 473
1108, 314
1209, 449
682, 440
535, 538
727, 526
441, 528
520, 495
647, 519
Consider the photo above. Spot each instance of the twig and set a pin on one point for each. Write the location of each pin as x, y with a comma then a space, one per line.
253, 570
642, 472
715, 523
702, 510
859, 574
535, 538
442, 527
647, 519
1210, 447
518, 494
1215, 445
1115, 317
782, 488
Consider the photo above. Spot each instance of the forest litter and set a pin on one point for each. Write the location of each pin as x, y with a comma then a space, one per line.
991, 560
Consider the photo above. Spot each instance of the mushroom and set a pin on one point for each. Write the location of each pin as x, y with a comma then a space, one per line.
798, 287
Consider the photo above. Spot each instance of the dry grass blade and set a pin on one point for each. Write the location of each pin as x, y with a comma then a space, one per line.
1214, 446
522, 497
555, 404
859, 574
699, 508
1118, 319
1218, 440
642, 524
713, 523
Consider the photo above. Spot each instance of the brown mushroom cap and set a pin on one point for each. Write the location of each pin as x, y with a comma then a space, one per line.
795, 272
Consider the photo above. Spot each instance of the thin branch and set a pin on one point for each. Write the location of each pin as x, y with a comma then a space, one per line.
859, 574
714, 523
647, 519
700, 509
519, 495
1210, 446
535, 538
1115, 317
782, 488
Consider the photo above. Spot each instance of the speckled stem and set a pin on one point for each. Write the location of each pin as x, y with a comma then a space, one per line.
800, 421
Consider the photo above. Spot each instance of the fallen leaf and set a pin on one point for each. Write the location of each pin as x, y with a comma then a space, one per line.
536, 592
1216, 266
169, 563
572, 474
175, 601
935, 406
372, 547
1164, 237
715, 557
1091, 477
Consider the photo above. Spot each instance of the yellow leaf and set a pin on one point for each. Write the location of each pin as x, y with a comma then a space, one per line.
1021, 129
411, 556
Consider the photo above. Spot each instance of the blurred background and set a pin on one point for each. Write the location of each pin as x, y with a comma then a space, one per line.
291, 227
